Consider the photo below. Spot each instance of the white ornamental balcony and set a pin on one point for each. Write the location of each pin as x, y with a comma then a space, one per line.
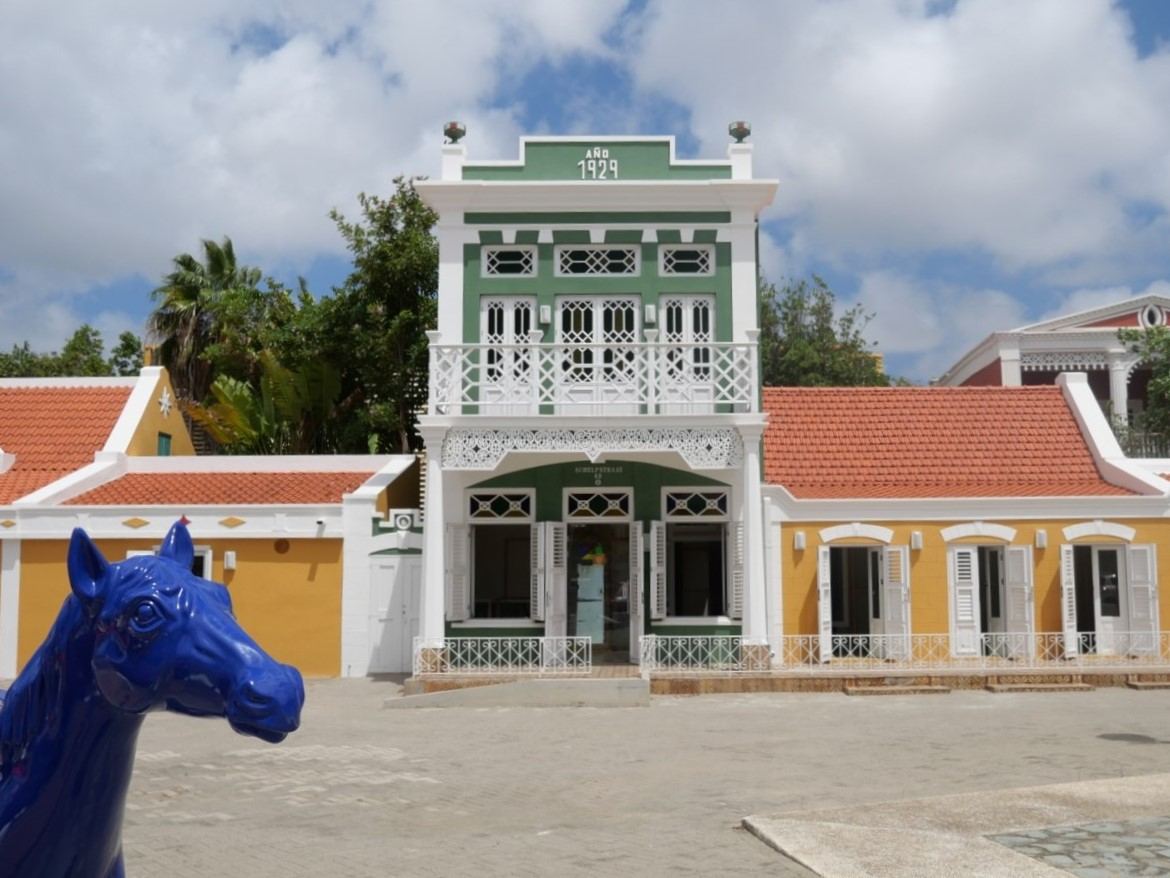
643, 378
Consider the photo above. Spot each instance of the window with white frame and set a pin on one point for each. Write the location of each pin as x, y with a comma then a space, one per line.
686, 259
200, 564
598, 505
501, 553
508, 261
597, 259
696, 551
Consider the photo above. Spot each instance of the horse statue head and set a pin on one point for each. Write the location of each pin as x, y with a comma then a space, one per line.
133, 636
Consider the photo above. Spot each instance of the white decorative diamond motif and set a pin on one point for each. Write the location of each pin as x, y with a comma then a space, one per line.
706, 448
165, 403
686, 260
696, 504
510, 261
499, 506
573, 260
1058, 361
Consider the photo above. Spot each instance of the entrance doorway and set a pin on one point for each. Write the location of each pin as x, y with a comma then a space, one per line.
599, 588
1101, 598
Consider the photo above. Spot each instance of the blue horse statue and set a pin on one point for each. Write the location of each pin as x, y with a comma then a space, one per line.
133, 636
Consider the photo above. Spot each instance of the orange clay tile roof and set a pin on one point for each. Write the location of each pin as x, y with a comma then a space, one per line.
222, 488
53, 431
916, 442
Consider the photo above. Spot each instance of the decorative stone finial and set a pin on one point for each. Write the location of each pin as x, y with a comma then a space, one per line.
739, 130
454, 131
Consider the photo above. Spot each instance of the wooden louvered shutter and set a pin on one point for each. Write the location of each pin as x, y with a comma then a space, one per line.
458, 574
658, 605
634, 602
825, 602
1143, 598
1019, 601
965, 631
735, 570
536, 587
1068, 600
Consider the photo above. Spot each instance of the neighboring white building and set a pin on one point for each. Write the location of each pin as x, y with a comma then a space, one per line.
1082, 342
593, 425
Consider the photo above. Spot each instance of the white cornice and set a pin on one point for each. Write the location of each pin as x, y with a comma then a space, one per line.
609, 138
21, 383
6, 461
978, 357
1102, 312
266, 463
135, 409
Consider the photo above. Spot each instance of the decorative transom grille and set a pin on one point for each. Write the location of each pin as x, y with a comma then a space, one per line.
500, 506
509, 261
696, 504
686, 260
598, 504
597, 260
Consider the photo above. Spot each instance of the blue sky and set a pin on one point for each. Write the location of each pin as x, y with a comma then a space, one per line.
955, 167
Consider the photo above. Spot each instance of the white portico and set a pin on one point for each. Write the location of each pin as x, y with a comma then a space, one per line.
593, 424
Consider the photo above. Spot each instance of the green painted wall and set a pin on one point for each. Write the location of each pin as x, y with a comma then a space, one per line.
546, 286
639, 160
646, 479
454, 630
696, 630
599, 218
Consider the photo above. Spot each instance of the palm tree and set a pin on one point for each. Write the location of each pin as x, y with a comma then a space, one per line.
184, 322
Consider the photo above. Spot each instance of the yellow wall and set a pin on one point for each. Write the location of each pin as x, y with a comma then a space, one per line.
290, 603
144, 442
929, 598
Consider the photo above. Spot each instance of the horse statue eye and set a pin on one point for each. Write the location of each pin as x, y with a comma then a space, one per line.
144, 615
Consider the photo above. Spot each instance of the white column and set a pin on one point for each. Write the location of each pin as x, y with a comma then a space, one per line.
1119, 387
774, 595
431, 626
1010, 370
744, 275
9, 605
755, 613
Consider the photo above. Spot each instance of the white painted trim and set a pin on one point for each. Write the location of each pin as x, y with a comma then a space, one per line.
141, 397
1098, 528
1111, 461
530, 493
507, 245
6, 461
19, 383
857, 530
695, 620
597, 245
269, 463
978, 529
691, 489
709, 248
596, 489
589, 141
1096, 315
106, 467
205, 551
9, 606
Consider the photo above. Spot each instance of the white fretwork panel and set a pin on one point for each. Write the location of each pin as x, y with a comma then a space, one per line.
701, 448
589, 505
509, 261
688, 505
692, 259
500, 506
1060, 361
606, 259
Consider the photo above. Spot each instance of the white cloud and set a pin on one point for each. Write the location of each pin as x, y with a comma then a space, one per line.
131, 131
922, 329
1024, 130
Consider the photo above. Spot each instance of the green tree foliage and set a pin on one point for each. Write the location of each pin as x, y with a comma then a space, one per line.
286, 412
804, 344
374, 325
188, 319
83, 354
126, 357
1152, 344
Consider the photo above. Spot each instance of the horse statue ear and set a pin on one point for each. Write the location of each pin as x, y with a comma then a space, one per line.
87, 566
177, 546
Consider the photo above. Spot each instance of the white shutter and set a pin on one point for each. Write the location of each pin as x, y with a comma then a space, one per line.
657, 570
1068, 599
1019, 601
825, 602
536, 589
735, 570
458, 593
896, 600
556, 581
635, 596
1143, 598
965, 627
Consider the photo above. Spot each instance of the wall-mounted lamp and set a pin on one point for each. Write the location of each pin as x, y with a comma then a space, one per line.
798, 541
1041, 539
545, 314
229, 560
916, 540
651, 314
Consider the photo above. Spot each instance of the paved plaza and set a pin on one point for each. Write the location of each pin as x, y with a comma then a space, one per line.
658, 790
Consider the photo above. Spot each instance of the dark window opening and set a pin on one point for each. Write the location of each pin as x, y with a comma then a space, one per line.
695, 570
502, 574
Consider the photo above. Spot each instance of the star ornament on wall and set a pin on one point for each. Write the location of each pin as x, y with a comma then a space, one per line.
166, 403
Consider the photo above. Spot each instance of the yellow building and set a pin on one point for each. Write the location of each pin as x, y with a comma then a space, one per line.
934, 526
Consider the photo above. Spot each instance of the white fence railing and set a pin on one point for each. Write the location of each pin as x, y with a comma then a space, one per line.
503, 655
920, 652
641, 378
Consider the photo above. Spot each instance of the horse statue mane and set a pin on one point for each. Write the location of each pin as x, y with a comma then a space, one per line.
132, 636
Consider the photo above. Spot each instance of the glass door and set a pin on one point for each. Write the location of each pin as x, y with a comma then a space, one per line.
599, 588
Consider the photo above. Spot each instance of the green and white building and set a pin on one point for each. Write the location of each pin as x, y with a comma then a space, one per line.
593, 428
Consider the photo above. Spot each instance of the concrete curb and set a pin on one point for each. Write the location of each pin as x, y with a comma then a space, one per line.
621, 692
